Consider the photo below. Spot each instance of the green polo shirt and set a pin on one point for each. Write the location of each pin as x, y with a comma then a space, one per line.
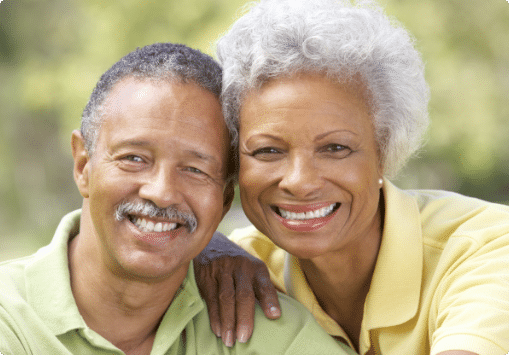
38, 314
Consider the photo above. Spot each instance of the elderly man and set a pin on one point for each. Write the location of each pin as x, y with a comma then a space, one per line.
151, 162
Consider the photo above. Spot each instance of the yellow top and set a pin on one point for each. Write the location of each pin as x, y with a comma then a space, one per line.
441, 281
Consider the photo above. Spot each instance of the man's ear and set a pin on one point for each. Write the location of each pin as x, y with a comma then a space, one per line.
228, 195
81, 160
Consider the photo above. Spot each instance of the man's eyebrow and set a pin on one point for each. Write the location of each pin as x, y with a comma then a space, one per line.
131, 142
202, 156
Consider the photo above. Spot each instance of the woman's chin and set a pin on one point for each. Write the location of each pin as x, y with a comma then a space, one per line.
304, 249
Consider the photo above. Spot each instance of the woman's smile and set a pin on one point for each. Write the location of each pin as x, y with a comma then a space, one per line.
306, 212
305, 218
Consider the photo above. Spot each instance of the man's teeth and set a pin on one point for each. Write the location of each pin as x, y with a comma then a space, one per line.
322, 212
150, 226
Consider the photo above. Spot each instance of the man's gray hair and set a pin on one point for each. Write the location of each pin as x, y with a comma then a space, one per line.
344, 41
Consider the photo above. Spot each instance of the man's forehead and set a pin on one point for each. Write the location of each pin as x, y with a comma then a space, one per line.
134, 90
140, 91
137, 107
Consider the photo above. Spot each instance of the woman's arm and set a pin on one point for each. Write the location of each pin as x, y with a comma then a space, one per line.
231, 281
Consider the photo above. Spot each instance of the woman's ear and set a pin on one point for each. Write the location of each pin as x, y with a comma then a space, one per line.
81, 160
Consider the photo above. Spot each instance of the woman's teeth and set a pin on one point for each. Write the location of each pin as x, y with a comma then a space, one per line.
322, 212
150, 226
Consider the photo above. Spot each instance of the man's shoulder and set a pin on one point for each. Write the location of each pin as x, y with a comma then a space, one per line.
294, 317
295, 332
14, 308
292, 310
12, 285
12, 278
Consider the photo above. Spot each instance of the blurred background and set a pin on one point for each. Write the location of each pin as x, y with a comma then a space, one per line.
52, 53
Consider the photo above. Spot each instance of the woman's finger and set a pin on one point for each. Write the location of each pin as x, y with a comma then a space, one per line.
227, 310
209, 292
266, 294
245, 305
211, 299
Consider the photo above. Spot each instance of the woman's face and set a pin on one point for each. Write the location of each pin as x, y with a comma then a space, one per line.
309, 165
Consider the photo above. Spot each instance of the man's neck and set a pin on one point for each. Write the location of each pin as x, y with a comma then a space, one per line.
125, 312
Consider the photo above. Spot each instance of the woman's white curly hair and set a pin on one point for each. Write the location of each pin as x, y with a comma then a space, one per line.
278, 38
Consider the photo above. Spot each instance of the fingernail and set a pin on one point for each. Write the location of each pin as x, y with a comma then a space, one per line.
228, 340
217, 332
242, 334
274, 311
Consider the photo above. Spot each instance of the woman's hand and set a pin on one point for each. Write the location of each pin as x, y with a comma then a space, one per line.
231, 281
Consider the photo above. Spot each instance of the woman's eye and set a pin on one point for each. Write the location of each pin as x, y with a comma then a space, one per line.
336, 150
266, 150
334, 147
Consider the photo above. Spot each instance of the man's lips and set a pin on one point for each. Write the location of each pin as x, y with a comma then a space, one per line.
155, 232
148, 225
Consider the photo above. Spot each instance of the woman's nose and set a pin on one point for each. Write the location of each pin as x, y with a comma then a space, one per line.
301, 177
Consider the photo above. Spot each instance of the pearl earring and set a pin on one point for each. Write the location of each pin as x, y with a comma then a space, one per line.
381, 181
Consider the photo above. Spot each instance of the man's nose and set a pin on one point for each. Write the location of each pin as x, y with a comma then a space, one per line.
162, 187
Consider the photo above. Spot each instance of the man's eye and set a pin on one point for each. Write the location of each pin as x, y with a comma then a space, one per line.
133, 158
194, 170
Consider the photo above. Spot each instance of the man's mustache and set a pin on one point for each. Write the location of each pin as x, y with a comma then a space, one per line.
149, 209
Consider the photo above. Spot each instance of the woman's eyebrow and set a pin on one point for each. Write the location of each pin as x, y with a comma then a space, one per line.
323, 135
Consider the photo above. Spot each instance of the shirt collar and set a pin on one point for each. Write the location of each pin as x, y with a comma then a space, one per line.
395, 289
186, 304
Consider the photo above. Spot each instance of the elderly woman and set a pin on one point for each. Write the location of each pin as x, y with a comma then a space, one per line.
330, 101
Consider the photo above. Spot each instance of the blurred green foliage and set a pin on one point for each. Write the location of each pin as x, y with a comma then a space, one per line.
52, 52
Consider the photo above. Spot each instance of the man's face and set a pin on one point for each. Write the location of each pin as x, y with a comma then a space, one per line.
162, 145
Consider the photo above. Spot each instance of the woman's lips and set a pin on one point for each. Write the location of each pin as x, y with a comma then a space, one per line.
305, 218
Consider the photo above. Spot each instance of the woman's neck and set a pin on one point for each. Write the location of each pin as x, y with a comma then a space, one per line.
341, 280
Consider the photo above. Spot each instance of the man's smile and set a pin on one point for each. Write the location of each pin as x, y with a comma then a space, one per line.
147, 225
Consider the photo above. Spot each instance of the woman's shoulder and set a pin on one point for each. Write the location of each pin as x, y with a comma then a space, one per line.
445, 215
448, 199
